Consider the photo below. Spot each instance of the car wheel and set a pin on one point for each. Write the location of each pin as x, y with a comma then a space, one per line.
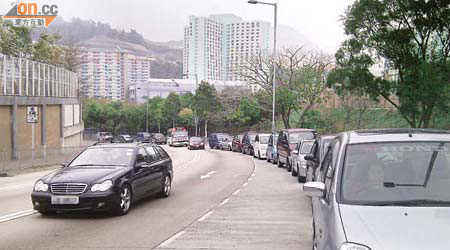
301, 179
124, 204
280, 165
166, 187
288, 165
295, 173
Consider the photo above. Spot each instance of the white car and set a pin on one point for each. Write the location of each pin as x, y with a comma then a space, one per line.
260, 146
104, 136
298, 159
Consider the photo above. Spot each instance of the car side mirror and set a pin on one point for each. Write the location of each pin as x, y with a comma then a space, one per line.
310, 157
314, 189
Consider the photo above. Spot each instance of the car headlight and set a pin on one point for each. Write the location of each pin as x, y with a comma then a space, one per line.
102, 187
353, 246
40, 186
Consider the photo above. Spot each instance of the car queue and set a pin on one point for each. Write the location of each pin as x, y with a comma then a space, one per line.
370, 189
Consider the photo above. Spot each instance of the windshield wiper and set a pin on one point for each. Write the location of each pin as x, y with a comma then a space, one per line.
409, 203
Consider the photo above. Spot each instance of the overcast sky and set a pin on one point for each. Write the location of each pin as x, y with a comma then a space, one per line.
163, 20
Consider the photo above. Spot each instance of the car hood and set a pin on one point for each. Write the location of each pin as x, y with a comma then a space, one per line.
392, 228
84, 174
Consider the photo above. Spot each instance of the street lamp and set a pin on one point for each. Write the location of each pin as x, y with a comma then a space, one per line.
195, 115
273, 55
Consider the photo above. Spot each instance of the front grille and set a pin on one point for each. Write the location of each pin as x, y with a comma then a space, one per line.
68, 188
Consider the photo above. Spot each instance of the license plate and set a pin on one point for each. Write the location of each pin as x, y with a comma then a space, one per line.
66, 200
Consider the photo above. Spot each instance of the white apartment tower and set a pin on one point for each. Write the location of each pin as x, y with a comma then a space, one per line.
217, 47
106, 73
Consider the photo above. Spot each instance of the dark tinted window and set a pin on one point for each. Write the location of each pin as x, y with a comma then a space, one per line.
397, 171
162, 152
153, 155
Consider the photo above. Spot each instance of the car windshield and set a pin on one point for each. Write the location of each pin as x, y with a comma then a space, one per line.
180, 133
297, 137
104, 157
252, 138
392, 173
226, 138
264, 139
306, 147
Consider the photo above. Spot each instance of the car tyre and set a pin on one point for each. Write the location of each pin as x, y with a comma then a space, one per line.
166, 187
124, 204
295, 173
301, 179
259, 155
288, 165
280, 165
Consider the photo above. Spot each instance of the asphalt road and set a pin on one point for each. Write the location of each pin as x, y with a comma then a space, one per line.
202, 180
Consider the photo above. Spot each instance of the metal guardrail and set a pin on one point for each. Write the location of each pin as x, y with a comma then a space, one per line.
23, 77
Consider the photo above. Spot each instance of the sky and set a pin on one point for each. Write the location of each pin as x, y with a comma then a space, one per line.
163, 20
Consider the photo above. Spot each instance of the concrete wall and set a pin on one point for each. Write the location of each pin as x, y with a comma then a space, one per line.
5, 132
53, 128
25, 131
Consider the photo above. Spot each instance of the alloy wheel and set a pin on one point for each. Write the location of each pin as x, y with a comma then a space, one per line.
125, 199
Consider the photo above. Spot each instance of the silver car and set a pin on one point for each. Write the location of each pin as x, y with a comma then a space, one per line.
298, 159
383, 190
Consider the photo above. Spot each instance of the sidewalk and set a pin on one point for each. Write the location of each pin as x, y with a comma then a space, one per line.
269, 212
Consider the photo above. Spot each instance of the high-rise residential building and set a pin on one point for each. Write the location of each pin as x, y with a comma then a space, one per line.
219, 46
108, 73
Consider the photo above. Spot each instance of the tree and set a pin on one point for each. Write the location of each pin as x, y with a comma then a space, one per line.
248, 112
413, 38
46, 50
172, 107
15, 41
186, 117
156, 110
206, 102
299, 80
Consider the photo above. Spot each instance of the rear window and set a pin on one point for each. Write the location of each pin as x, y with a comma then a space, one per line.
297, 137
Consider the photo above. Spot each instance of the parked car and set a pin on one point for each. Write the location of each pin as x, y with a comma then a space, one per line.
247, 143
122, 139
317, 153
178, 137
196, 143
288, 140
214, 140
158, 138
298, 161
376, 188
236, 144
106, 177
143, 137
271, 152
225, 143
260, 146
104, 136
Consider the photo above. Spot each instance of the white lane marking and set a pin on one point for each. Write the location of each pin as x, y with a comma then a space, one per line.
249, 179
204, 217
16, 186
171, 239
245, 184
183, 167
207, 175
237, 191
16, 215
224, 202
